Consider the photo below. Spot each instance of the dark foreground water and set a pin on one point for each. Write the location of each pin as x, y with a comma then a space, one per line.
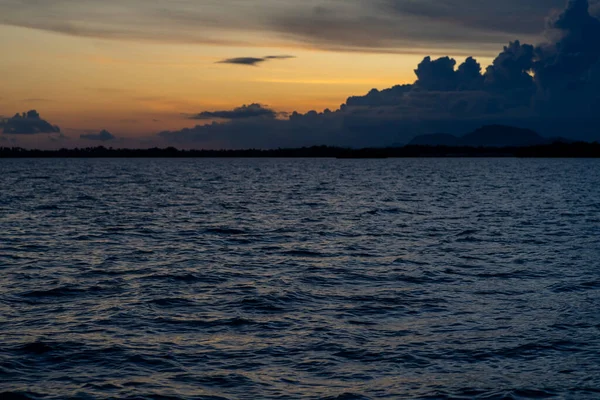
299, 279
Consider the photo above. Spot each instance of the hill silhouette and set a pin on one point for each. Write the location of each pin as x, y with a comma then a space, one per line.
487, 136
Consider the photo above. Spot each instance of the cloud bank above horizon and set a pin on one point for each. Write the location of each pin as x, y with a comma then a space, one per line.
552, 87
364, 25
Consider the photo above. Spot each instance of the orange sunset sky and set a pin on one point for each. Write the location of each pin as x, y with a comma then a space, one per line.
138, 68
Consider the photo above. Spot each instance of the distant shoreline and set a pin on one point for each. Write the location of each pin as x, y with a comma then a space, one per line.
555, 150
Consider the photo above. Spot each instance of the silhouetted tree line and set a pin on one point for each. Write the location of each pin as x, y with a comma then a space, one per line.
555, 150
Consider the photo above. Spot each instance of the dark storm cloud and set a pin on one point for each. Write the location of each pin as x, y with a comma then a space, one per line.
102, 136
252, 61
522, 17
298, 130
568, 69
28, 123
244, 112
552, 87
406, 24
365, 25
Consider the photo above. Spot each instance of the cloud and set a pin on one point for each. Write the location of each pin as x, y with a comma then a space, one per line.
366, 25
28, 123
281, 57
477, 25
103, 136
568, 69
494, 16
242, 61
58, 138
552, 87
252, 61
244, 112
299, 130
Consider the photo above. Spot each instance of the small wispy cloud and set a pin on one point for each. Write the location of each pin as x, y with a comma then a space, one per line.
253, 61
282, 57
244, 112
103, 136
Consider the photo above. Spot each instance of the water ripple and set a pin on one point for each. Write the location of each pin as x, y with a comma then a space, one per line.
299, 279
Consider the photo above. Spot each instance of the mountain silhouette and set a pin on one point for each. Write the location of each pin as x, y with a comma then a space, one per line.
486, 136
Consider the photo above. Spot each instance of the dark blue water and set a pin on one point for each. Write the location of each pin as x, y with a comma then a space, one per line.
299, 279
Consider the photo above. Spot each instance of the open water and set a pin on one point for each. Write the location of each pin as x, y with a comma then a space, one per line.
300, 279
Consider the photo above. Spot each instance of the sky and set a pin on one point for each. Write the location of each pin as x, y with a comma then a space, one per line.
271, 73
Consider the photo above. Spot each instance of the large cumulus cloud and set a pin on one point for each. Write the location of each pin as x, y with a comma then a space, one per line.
567, 70
553, 87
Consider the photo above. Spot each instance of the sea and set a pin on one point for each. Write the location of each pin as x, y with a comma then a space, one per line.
299, 279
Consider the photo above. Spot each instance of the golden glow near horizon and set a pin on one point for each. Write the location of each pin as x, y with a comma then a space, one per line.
139, 88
